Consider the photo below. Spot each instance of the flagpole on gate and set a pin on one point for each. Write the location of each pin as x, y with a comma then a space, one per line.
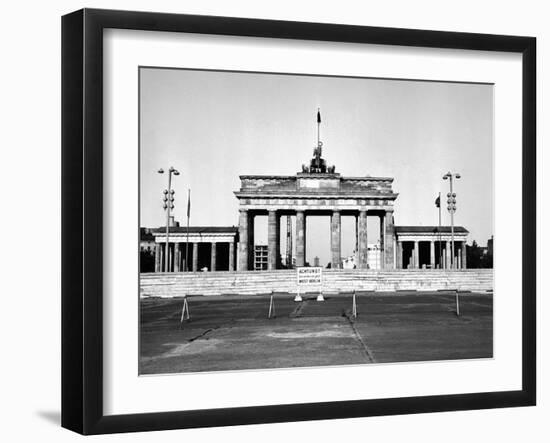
318, 126
187, 240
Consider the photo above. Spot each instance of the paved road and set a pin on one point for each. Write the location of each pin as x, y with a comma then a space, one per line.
232, 332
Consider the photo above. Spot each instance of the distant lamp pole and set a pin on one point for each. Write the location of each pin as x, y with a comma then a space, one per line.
451, 207
168, 205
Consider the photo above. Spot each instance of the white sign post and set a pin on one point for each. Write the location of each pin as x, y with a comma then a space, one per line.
309, 277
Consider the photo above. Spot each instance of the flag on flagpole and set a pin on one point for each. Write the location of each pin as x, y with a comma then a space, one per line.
188, 203
318, 116
438, 202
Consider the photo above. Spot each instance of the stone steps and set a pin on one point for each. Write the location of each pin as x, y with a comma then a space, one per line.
253, 282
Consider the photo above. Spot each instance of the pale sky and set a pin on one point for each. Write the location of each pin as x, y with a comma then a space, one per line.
215, 126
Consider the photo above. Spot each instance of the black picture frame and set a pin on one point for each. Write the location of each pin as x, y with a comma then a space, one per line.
82, 215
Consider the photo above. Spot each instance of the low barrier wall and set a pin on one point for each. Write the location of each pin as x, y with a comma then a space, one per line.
334, 280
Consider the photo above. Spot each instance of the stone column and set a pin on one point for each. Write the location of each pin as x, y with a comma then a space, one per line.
195, 256
213, 257
357, 236
336, 240
244, 237
416, 255
389, 235
382, 240
448, 255
432, 254
231, 256
363, 241
162, 250
394, 249
278, 242
188, 257
399, 263
273, 243
157, 258
177, 257
463, 250
251, 241
300, 238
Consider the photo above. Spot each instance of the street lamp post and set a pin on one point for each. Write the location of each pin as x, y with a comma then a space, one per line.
451, 207
168, 206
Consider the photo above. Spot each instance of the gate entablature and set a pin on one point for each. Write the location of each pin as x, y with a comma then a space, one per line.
310, 192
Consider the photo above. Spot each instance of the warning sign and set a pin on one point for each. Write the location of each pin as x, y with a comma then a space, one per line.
309, 276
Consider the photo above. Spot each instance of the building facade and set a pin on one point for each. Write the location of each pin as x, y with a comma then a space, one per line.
199, 248
430, 247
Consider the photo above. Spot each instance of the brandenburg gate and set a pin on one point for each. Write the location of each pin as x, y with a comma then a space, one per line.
316, 190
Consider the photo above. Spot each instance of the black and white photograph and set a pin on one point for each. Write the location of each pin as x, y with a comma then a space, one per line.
267, 222
299, 221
